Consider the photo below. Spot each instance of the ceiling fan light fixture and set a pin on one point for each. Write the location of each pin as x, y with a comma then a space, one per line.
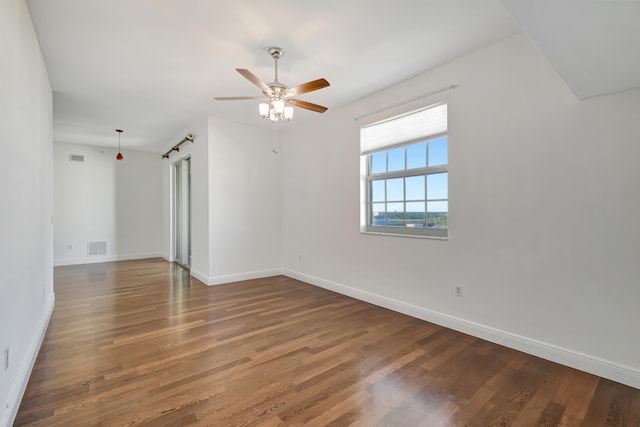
263, 108
287, 114
278, 106
275, 110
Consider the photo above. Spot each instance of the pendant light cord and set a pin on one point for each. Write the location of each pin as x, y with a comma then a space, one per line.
119, 156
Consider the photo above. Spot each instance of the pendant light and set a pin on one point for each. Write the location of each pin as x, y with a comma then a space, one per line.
119, 156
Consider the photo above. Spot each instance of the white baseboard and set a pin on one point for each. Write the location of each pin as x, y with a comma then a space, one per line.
106, 258
200, 276
219, 280
24, 370
564, 356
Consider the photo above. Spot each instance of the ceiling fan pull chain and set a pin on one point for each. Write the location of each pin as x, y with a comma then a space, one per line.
275, 138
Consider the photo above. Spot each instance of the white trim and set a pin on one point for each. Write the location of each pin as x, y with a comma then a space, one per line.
198, 275
585, 362
413, 236
228, 278
107, 258
16, 392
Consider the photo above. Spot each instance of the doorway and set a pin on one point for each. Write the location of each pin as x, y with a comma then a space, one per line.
182, 212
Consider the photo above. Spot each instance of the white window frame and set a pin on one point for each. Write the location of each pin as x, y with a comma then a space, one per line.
366, 157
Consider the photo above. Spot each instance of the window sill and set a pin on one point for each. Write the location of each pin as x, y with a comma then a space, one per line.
413, 236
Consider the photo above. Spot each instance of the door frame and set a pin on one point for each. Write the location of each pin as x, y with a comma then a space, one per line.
181, 211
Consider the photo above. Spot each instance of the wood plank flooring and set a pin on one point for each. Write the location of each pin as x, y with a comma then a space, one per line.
140, 343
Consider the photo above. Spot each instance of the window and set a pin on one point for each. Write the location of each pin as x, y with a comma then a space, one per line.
406, 160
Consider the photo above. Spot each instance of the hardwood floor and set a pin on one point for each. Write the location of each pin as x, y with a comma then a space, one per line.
141, 343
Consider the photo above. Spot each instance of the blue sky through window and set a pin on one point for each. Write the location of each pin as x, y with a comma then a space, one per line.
395, 189
437, 186
415, 187
396, 159
417, 155
411, 201
377, 191
438, 151
379, 162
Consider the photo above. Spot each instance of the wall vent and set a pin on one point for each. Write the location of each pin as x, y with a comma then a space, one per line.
76, 157
97, 248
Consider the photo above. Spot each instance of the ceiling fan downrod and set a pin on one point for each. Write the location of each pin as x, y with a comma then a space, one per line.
276, 53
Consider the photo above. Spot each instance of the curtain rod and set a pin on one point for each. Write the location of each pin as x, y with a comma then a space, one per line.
176, 147
435, 92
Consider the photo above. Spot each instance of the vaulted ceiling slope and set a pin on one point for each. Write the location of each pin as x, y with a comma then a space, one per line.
593, 44
152, 67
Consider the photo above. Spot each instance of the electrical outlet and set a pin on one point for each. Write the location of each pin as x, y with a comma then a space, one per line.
6, 358
69, 246
299, 258
458, 290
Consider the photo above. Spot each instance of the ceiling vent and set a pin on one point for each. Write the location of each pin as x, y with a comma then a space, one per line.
76, 157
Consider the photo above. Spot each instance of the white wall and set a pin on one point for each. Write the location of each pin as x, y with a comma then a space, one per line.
245, 202
235, 201
26, 281
102, 199
544, 233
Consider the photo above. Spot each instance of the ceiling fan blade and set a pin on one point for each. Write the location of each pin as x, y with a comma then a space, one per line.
255, 80
308, 87
307, 105
233, 98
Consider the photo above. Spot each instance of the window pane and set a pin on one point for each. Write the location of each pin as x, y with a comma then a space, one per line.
379, 162
415, 187
395, 215
395, 189
377, 190
438, 152
437, 186
377, 214
415, 215
417, 155
437, 214
396, 159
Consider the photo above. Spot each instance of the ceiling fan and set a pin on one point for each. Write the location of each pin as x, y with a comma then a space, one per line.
279, 96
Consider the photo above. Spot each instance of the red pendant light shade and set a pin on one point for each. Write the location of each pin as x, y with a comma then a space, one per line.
119, 156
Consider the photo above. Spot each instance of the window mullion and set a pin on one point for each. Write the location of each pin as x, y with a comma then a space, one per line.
404, 189
426, 164
404, 196
436, 169
398, 174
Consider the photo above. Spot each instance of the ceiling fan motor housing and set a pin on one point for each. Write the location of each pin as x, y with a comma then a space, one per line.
276, 52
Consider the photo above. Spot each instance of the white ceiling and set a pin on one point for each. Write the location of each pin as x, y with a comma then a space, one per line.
151, 67
593, 44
